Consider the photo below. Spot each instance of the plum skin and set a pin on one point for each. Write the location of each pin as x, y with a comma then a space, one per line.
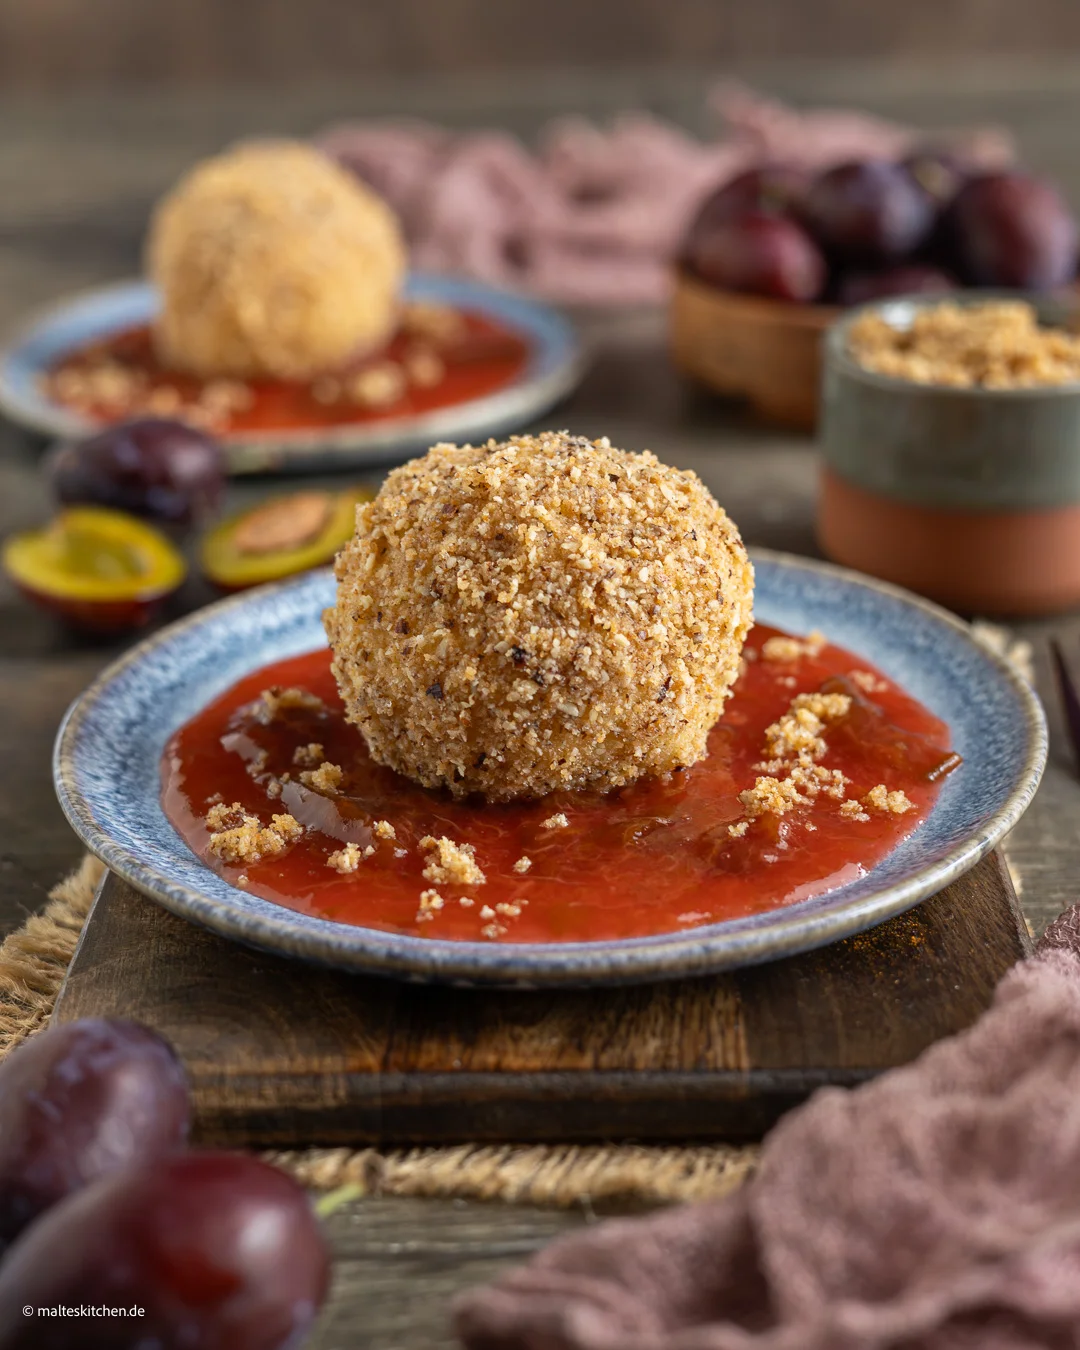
78, 1102
868, 212
1012, 230
775, 189
760, 254
219, 1250
152, 467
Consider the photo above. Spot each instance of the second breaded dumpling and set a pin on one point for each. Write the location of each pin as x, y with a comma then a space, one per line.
272, 261
543, 613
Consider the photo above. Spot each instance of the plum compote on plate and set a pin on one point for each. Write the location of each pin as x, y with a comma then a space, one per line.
818, 768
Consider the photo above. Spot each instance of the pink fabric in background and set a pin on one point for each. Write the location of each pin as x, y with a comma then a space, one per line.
594, 216
936, 1208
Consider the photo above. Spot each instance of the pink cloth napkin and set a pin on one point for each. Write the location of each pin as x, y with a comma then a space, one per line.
595, 215
935, 1208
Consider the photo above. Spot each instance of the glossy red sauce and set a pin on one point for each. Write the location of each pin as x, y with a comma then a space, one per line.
651, 858
487, 358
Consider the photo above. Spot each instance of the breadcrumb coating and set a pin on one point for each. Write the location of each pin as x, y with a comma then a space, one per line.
272, 261
546, 612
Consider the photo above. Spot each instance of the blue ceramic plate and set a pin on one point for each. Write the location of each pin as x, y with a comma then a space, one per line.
554, 369
108, 749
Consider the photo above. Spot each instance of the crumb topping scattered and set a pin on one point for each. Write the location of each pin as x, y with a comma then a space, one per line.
798, 733
327, 778
853, 811
236, 836
451, 864
273, 701
384, 830
780, 647
881, 799
868, 682
349, 858
556, 822
430, 903
522, 864
308, 756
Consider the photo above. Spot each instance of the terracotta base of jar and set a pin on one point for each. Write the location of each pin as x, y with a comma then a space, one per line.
987, 562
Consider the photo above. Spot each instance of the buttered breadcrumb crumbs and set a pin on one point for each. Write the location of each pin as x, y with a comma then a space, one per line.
238, 837
853, 811
349, 858
430, 903
522, 864
781, 647
996, 345
881, 799
868, 682
451, 864
326, 778
544, 613
274, 700
556, 822
487, 912
308, 756
798, 733
384, 830
777, 796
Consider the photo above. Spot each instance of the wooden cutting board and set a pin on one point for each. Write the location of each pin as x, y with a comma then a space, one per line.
283, 1054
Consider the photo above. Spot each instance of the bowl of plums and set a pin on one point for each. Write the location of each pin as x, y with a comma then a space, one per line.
774, 255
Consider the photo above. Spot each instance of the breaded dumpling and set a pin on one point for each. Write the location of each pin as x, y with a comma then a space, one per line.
272, 261
548, 612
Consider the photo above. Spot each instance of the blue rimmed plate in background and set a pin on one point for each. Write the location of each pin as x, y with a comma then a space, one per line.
553, 370
110, 745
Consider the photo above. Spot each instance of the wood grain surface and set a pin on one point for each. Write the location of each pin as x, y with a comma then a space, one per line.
284, 1054
55, 43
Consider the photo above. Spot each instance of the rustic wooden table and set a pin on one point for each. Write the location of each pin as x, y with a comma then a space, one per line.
77, 175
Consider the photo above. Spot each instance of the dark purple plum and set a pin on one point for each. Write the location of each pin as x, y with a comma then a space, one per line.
1012, 230
868, 213
859, 288
760, 254
219, 1250
153, 467
774, 189
81, 1101
940, 173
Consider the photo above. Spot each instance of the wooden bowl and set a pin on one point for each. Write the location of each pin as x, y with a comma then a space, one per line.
766, 351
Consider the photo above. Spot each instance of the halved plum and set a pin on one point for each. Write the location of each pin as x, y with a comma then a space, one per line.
280, 537
101, 570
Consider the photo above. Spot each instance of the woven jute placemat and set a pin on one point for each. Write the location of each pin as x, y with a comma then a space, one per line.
34, 961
